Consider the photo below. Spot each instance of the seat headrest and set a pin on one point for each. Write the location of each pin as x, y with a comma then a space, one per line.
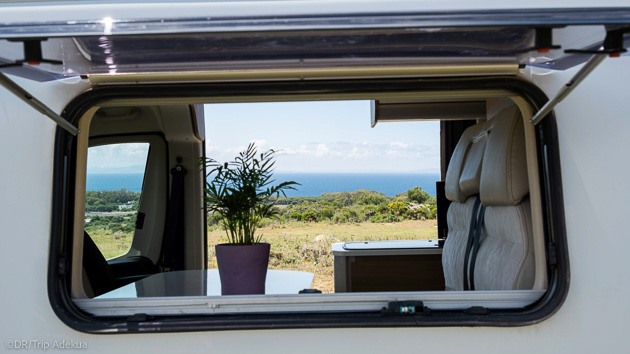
464, 170
504, 179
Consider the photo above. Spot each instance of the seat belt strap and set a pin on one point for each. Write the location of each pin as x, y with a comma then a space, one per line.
470, 240
173, 242
475, 250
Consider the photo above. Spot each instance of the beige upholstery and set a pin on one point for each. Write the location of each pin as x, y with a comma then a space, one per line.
494, 151
454, 249
504, 181
454, 172
506, 258
469, 181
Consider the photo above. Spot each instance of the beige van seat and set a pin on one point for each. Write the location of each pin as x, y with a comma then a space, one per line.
489, 164
505, 260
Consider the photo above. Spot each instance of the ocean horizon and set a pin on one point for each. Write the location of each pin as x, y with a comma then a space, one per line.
312, 184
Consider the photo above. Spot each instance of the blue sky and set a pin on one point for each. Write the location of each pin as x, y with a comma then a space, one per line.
118, 158
332, 136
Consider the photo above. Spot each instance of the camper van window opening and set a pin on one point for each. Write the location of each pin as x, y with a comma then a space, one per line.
272, 309
115, 175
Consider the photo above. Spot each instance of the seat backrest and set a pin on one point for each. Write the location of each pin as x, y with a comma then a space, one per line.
489, 163
505, 260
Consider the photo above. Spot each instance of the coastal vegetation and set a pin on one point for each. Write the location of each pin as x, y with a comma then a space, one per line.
109, 201
351, 207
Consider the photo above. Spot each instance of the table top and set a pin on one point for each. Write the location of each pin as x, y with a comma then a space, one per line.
205, 283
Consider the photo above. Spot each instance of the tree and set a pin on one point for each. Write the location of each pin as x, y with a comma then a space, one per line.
416, 194
371, 199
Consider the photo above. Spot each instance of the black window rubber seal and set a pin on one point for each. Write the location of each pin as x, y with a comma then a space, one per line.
63, 195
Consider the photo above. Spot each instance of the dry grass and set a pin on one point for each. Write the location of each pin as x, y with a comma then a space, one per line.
111, 244
307, 246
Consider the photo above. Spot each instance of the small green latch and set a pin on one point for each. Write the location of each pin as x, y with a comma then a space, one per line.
405, 308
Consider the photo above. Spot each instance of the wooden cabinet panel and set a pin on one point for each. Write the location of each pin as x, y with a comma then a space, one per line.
395, 273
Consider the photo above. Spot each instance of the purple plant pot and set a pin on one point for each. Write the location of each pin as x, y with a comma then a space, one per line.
242, 269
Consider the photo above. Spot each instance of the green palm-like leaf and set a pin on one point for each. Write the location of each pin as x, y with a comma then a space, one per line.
242, 193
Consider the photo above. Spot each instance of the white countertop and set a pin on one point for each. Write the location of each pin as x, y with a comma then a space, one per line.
386, 248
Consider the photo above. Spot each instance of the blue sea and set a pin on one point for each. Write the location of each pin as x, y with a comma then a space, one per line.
312, 184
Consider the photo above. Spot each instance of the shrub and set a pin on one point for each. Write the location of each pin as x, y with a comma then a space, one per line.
346, 215
418, 211
433, 213
416, 214
326, 213
416, 194
368, 211
214, 219
265, 222
372, 199
309, 216
397, 208
296, 216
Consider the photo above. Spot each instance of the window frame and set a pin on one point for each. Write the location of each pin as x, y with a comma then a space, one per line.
63, 199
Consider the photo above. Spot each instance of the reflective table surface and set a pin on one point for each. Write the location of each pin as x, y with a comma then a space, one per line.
205, 283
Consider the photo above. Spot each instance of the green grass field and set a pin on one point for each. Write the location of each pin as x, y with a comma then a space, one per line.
297, 245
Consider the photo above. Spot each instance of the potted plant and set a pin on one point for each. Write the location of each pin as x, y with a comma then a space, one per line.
243, 194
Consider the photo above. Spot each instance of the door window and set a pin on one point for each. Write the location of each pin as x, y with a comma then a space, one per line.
115, 175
